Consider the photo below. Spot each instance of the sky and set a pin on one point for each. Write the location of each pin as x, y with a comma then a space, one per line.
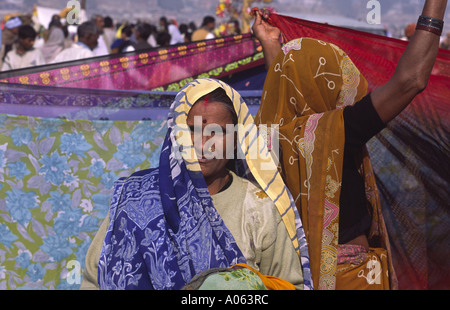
394, 13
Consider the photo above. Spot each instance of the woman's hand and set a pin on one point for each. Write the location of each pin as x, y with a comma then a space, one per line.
262, 30
268, 35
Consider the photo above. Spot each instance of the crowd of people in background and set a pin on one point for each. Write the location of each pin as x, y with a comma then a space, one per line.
25, 42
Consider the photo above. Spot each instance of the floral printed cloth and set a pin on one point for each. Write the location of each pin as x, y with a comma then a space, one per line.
58, 164
56, 179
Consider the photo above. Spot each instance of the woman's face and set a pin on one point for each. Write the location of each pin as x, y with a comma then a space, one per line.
214, 147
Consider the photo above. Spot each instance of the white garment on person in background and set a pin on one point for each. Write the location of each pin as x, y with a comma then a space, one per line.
15, 61
210, 36
109, 35
152, 41
101, 49
76, 52
129, 48
39, 43
54, 44
175, 35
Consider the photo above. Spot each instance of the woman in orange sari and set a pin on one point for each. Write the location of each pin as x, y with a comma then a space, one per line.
320, 101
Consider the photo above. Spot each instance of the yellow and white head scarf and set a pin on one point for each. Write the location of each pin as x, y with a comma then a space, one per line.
258, 162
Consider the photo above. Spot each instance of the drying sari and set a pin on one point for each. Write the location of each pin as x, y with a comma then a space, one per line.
164, 229
307, 86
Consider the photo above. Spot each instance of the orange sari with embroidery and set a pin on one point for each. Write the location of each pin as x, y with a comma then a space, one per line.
307, 86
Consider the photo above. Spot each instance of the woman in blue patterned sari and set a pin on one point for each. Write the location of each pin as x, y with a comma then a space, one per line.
210, 205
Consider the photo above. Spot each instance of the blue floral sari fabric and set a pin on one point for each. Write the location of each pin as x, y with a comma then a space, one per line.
56, 180
164, 228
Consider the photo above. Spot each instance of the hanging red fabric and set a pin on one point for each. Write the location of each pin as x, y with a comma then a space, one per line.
376, 56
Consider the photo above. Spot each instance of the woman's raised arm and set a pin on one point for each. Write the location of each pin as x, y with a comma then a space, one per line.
414, 67
268, 36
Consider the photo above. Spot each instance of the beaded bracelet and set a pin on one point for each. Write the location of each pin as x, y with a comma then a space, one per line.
430, 24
